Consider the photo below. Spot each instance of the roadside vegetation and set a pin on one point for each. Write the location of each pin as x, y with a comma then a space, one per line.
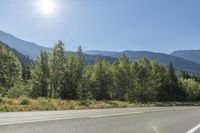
45, 104
65, 76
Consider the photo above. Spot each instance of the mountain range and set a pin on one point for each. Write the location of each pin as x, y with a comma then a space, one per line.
179, 63
192, 55
27, 48
187, 60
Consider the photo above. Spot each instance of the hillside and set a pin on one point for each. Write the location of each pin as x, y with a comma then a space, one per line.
182, 60
179, 63
192, 55
27, 48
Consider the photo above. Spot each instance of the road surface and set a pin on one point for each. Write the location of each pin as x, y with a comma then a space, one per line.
132, 120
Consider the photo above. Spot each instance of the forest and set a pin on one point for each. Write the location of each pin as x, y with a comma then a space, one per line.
65, 75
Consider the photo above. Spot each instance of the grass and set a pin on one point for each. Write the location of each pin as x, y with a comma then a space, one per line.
42, 104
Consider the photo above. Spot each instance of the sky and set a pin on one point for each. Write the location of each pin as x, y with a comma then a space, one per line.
115, 25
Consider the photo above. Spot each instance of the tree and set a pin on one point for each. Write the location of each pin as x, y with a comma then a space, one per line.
80, 62
121, 78
100, 80
145, 88
73, 74
191, 88
10, 70
184, 75
172, 90
57, 67
40, 76
69, 82
84, 90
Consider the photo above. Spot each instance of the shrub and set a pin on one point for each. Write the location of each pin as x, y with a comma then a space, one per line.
19, 90
1, 100
24, 101
7, 108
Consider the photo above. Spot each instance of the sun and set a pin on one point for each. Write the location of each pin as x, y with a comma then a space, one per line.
47, 7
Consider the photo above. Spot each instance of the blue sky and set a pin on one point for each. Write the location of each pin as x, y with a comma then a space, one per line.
153, 25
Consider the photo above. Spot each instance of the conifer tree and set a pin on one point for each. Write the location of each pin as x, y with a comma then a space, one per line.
10, 70
40, 76
57, 67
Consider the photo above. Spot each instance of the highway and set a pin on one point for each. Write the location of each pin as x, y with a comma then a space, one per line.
126, 120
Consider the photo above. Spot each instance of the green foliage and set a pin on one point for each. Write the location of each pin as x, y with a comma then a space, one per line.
24, 60
121, 78
191, 88
19, 90
10, 70
40, 76
100, 80
57, 67
171, 90
24, 101
65, 75
146, 79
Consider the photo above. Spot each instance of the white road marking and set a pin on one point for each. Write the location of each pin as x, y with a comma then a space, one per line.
120, 114
193, 129
94, 116
45, 120
81, 117
132, 113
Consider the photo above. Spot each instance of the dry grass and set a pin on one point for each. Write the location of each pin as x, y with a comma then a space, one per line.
42, 104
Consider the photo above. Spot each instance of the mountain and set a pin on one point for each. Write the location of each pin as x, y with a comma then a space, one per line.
100, 52
90, 59
192, 55
179, 63
189, 61
27, 48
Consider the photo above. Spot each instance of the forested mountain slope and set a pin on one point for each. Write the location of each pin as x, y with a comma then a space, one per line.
179, 63
192, 55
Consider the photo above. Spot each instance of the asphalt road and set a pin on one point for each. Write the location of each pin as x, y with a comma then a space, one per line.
136, 120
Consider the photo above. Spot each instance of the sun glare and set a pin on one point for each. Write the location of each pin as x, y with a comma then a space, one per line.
47, 7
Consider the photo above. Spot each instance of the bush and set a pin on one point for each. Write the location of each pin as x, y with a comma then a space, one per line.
7, 108
1, 100
24, 101
19, 90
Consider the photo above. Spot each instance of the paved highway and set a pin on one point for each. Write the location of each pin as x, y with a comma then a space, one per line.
132, 120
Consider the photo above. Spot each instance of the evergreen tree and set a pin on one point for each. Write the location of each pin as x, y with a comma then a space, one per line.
121, 78
100, 80
73, 74
40, 76
172, 90
84, 88
10, 70
143, 80
57, 68
69, 82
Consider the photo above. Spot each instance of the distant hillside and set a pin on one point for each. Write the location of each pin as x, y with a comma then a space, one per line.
182, 60
179, 63
90, 59
27, 48
101, 52
192, 55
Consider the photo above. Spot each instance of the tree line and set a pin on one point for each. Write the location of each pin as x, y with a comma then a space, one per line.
65, 75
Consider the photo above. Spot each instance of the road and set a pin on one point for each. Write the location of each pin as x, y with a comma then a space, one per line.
131, 120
